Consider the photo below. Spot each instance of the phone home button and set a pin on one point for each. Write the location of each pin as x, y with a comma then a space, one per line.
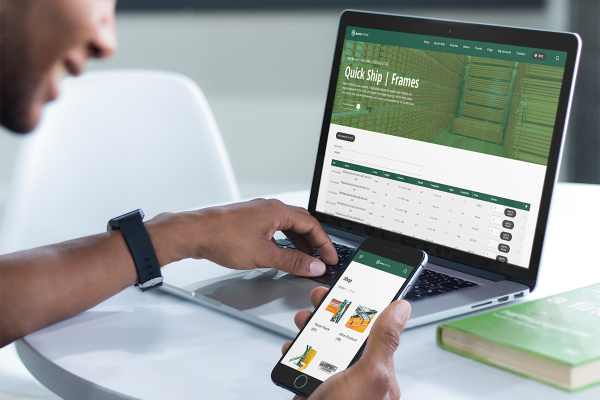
300, 381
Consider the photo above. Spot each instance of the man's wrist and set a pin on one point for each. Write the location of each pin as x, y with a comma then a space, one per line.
175, 236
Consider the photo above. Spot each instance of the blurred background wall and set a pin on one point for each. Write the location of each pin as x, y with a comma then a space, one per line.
264, 67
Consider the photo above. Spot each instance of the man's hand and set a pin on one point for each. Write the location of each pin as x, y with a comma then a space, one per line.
373, 376
240, 236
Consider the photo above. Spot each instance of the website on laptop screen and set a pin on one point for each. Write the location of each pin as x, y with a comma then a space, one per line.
441, 139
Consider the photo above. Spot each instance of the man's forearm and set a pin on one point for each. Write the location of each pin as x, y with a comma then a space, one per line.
42, 286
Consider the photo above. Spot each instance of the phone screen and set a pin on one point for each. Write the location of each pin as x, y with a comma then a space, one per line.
340, 326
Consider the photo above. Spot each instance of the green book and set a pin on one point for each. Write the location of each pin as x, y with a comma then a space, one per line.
555, 340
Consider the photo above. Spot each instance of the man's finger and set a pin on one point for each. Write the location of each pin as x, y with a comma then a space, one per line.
317, 295
385, 334
299, 242
293, 261
307, 226
301, 209
301, 318
285, 346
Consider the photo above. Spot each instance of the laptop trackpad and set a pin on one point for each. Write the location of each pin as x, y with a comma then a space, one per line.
258, 292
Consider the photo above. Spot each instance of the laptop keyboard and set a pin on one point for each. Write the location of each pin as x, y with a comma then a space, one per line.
430, 283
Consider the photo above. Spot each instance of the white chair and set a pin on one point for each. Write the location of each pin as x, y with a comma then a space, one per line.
113, 142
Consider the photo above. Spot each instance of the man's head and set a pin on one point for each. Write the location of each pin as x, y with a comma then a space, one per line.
40, 41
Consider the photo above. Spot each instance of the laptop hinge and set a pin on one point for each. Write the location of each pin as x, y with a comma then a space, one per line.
343, 233
467, 269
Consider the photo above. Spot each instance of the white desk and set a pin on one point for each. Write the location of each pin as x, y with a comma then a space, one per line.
153, 346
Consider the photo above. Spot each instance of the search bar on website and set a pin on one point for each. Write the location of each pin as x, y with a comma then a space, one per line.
376, 161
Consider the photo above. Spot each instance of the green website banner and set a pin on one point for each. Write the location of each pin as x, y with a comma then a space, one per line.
457, 46
432, 185
486, 103
383, 264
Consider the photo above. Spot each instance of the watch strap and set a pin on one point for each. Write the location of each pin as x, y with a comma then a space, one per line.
138, 240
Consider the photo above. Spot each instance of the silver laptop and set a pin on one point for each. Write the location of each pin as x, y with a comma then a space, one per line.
440, 135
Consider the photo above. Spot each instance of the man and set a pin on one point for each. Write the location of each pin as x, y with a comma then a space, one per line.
39, 41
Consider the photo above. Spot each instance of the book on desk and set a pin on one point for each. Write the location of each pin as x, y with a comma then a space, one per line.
555, 340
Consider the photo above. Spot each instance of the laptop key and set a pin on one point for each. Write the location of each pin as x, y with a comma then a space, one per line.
454, 285
438, 291
433, 281
420, 291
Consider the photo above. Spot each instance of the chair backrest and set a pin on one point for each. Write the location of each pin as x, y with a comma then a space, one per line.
115, 141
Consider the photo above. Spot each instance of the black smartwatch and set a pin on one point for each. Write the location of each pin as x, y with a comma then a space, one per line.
141, 248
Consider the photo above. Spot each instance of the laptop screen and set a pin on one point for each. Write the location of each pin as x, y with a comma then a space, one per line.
443, 140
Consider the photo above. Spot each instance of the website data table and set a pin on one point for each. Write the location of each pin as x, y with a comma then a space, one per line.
460, 218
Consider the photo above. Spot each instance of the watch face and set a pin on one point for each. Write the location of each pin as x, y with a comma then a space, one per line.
132, 214
115, 222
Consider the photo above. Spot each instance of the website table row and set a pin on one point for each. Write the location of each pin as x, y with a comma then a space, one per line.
478, 211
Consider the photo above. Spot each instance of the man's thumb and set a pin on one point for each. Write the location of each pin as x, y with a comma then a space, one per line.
385, 333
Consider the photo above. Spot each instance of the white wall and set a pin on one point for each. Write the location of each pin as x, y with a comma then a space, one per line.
265, 75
